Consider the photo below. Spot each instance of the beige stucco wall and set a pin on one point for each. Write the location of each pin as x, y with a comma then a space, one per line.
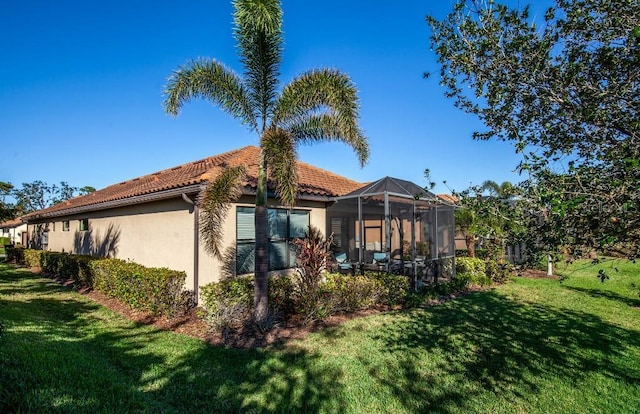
156, 234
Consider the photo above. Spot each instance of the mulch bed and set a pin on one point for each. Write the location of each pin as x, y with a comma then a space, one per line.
535, 273
249, 336
192, 325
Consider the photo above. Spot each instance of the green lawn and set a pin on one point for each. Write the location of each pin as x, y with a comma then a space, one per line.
534, 345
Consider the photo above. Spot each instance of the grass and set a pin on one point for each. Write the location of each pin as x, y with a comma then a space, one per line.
530, 346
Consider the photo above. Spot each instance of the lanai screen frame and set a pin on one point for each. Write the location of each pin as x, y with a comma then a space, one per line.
387, 199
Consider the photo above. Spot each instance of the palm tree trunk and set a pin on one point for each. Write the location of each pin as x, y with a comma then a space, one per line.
471, 245
261, 271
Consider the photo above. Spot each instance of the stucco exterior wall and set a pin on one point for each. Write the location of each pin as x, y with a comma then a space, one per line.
155, 234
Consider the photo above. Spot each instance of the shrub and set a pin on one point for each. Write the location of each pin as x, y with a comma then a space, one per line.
392, 289
281, 293
312, 255
499, 272
70, 266
479, 253
31, 258
474, 267
15, 255
470, 271
228, 303
351, 293
157, 290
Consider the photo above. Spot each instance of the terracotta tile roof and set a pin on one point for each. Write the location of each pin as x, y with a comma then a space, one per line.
312, 180
11, 223
448, 198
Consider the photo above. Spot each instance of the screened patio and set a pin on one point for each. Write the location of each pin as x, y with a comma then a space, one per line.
394, 225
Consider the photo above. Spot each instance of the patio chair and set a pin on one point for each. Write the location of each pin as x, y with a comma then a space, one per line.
380, 259
396, 266
342, 262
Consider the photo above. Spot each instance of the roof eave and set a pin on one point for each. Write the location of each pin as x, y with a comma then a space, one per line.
124, 202
146, 198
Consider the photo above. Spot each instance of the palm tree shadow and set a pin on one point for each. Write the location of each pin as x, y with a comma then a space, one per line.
91, 242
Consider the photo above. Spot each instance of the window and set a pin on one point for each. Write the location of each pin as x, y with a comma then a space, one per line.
84, 224
336, 229
53, 226
284, 226
65, 225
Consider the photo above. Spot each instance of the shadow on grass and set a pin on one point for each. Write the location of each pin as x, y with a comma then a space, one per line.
596, 293
66, 355
485, 342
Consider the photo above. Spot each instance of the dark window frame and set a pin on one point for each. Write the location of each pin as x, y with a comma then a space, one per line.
245, 247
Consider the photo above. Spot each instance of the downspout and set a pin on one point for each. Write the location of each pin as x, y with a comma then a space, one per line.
196, 244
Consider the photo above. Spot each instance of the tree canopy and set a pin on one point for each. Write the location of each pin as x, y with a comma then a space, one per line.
7, 210
564, 88
38, 195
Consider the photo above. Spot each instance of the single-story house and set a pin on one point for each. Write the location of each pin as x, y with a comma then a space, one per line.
154, 220
14, 230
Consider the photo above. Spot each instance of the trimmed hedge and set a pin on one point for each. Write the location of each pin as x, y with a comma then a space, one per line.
392, 289
156, 290
69, 266
32, 257
15, 255
351, 293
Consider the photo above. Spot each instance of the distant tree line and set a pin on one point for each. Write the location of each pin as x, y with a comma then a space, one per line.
35, 196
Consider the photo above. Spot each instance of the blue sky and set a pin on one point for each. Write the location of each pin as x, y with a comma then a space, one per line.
81, 90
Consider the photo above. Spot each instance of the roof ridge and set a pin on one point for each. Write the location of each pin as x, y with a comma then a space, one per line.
176, 167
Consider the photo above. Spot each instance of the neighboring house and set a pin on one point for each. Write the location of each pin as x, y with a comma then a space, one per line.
460, 242
14, 230
153, 220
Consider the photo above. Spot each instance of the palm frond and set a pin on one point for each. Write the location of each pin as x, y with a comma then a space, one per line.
259, 35
324, 91
210, 80
214, 201
326, 127
281, 157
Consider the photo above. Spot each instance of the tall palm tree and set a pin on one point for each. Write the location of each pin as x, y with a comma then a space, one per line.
317, 105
